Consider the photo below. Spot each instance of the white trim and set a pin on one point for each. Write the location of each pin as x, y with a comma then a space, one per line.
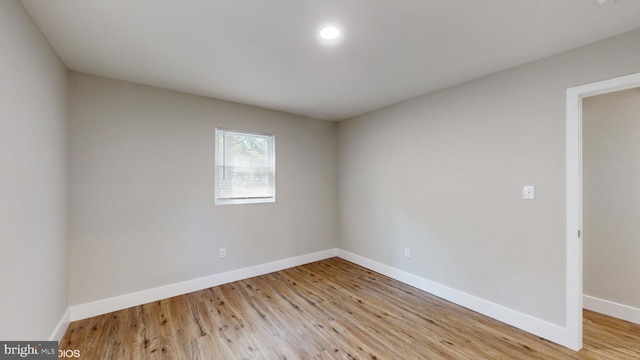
574, 196
501, 313
574, 220
62, 326
620, 311
99, 307
536, 326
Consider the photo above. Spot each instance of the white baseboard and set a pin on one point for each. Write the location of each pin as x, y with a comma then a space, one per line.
538, 327
99, 307
62, 326
611, 308
541, 328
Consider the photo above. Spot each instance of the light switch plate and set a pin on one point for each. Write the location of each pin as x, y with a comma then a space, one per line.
528, 192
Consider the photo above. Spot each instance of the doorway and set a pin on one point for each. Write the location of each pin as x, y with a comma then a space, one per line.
574, 222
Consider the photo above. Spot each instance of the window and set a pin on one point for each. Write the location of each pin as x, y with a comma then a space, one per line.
245, 167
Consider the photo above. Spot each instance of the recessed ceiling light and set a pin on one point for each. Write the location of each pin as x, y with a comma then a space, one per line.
329, 33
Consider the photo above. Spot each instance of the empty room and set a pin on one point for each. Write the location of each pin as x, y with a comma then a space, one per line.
297, 179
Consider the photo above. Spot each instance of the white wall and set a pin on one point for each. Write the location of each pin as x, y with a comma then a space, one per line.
141, 189
611, 148
33, 238
443, 174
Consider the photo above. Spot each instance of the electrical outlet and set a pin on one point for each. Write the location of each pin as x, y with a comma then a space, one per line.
528, 192
223, 253
407, 253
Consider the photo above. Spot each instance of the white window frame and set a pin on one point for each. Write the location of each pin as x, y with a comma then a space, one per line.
219, 158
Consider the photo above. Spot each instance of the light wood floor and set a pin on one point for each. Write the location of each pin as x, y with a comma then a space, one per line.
330, 309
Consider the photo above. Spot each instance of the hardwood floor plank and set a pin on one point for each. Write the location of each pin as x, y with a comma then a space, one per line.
348, 314
331, 309
86, 336
276, 322
299, 311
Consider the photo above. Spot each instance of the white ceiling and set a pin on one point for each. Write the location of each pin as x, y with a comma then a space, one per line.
266, 52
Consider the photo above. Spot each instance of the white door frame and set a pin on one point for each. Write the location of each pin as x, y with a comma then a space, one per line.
574, 196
